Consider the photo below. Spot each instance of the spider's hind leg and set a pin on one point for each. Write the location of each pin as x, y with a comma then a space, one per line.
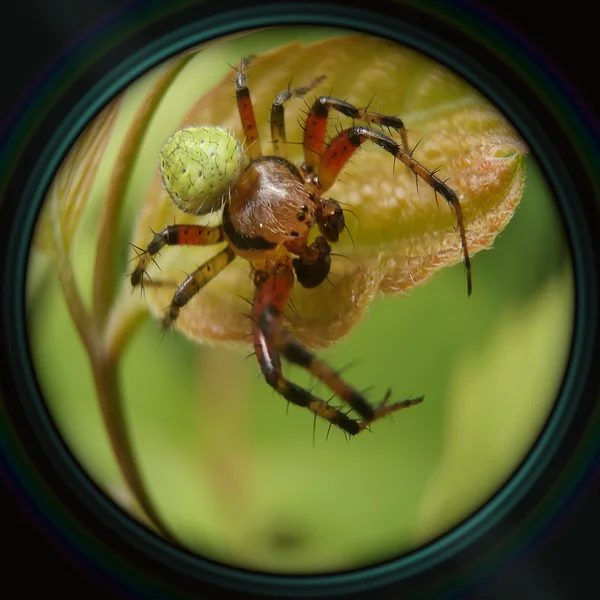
173, 235
194, 282
183, 235
272, 340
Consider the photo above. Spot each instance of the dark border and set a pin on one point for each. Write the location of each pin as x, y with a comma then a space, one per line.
519, 102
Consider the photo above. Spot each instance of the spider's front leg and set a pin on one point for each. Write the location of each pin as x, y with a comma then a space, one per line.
343, 146
325, 161
272, 340
315, 131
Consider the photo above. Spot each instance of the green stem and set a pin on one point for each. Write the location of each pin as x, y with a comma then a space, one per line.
106, 381
111, 337
109, 397
125, 316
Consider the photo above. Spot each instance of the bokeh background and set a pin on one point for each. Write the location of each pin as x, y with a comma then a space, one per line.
237, 475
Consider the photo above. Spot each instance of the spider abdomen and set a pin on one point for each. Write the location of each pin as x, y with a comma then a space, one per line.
198, 166
269, 206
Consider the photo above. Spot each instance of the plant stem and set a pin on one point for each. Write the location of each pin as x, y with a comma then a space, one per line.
112, 332
106, 381
126, 314
109, 397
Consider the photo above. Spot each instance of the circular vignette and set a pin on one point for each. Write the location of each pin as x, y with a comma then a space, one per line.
518, 107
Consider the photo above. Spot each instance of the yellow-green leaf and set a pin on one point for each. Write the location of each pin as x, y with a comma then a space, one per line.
399, 233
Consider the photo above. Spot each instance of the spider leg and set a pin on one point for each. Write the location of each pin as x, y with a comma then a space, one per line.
316, 126
347, 142
277, 114
174, 235
246, 110
194, 282
272, 340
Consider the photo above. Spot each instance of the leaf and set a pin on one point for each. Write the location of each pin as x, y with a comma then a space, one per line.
400, 234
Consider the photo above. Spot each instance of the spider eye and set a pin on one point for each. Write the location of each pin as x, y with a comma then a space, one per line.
199, 165
330, 217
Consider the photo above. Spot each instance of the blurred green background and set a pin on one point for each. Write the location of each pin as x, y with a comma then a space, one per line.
239, 480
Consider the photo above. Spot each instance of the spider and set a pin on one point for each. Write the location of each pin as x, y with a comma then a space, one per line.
270, 206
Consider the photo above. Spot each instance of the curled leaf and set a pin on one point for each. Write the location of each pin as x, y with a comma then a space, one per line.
399, 232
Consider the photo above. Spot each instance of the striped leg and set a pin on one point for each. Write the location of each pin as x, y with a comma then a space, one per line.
343, 146
195, 282
271, 340
174, 235
246, 110
278, 136
316, 126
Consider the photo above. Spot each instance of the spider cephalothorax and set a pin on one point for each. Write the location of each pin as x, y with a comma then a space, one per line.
270, 207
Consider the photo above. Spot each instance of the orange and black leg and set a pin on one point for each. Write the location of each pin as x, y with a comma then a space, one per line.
272, 340
246, 110
343, 146
278, 136
184, 235
316, 126
174, 235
